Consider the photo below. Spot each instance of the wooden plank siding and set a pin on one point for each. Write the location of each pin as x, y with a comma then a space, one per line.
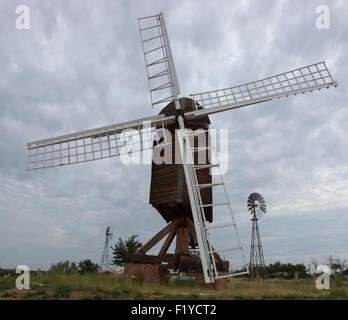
168, 190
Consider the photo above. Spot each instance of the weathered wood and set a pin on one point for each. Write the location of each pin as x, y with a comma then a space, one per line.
182, 240
144, 258
168, 190
192, 231
158, 237
183, 229
167, 242
216, 256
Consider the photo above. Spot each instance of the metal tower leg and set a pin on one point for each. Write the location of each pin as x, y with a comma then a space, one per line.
257, 261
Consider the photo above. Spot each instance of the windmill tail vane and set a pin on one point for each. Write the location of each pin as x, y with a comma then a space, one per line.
179, 113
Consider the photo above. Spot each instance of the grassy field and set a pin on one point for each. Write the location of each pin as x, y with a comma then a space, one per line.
108, 286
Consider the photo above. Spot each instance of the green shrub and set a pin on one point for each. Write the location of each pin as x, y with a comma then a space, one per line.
87, 266
64, 267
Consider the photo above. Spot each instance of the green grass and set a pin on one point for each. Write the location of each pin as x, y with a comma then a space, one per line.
6, 283
62, 290
139, 296
9, 294
109, 286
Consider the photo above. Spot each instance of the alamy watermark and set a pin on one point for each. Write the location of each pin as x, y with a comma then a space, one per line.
322, 22
22, 21
200, 148
23, 281
323, 281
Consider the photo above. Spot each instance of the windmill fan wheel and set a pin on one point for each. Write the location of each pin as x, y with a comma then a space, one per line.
256, 205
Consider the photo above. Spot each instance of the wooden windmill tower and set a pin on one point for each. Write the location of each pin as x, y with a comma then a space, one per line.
180, 192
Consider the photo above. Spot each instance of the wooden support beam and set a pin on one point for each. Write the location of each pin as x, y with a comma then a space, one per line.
167, 242
158, 237
182, 240
144, 258
192, 230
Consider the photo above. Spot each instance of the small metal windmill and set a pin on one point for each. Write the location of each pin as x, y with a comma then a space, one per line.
104, 261
257, 207
180, 192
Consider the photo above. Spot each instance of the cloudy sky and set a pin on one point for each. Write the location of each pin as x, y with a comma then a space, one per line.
81, 66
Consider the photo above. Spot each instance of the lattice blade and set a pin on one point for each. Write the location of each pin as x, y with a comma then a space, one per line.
309, 78
100, 143
159, 62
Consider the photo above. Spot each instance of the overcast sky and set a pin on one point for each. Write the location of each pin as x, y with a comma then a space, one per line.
81, 66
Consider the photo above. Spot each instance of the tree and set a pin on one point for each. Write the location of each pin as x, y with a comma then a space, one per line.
286, 270
123, 248
64, 267
338, 265
87, 266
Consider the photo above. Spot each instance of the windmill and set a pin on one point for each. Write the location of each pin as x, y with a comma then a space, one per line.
257, 207
104, 261
180, 192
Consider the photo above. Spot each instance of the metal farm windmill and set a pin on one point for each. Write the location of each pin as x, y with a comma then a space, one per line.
187, 207
257, 207
104, 261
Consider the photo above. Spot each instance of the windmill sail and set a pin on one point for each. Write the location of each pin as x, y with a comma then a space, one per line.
99, 143
137, 135
160, 68
312, 77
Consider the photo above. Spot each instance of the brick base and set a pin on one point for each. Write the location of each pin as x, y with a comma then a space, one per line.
148, 273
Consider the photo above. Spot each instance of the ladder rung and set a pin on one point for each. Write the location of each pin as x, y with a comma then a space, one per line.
153, 50
224, 250
195, 133
168, 99
160, 74
204, 166
208, 185
148, 17
152, 38
147, 28
163, 86
214, 205
200, 149
236, 274
156, 62
220, 226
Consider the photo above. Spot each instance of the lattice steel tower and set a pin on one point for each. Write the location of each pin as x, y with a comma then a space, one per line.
104, 262
257, 207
